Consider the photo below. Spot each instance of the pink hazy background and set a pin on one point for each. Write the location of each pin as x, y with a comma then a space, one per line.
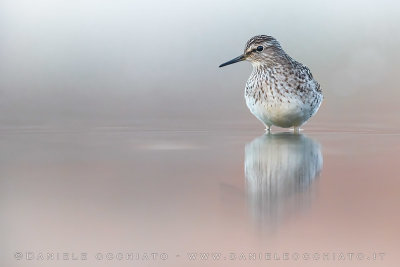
120, 134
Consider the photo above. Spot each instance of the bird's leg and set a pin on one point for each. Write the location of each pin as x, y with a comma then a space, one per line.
296, 129
268, 129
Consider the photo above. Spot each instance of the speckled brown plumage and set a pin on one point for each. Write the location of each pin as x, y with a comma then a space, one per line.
280, 91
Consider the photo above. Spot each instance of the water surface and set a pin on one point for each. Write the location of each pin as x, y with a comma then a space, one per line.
121, 190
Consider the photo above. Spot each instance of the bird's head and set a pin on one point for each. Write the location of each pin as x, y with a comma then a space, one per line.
259, 49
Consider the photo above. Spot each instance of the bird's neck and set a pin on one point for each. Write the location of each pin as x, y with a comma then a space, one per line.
272, 62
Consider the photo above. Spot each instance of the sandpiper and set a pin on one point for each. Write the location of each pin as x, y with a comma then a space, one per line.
280, 91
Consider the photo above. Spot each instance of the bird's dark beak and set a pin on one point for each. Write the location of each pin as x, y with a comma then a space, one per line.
235, 60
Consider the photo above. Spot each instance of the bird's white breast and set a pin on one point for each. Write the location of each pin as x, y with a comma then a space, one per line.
278, 103
273, 112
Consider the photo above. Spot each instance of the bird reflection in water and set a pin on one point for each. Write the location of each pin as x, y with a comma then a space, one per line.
279, 170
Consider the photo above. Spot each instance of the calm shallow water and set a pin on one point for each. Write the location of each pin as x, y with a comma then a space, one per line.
124, 190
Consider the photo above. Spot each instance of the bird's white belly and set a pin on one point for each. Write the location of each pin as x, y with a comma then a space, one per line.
282, 114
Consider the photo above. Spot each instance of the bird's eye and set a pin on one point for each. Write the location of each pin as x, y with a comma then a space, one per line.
260, 48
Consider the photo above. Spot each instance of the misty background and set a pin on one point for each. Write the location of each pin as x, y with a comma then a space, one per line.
119, 133
155, 63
